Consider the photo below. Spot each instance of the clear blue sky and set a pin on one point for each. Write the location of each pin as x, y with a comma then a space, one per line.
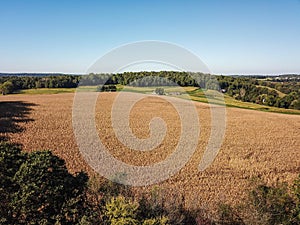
231, 37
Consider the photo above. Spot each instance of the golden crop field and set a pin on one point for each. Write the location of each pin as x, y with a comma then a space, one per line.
256, 144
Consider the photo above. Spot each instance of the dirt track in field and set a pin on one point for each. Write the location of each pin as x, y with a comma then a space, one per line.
256, 144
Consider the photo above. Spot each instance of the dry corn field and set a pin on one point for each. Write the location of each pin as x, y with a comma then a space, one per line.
256, 144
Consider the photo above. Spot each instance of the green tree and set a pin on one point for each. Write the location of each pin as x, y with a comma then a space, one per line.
295, 104
7, 87
37, 188
10, 160
38, 84
159, 91
46, 189
120, 211
213, 84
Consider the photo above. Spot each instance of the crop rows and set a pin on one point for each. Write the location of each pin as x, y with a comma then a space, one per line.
257, 145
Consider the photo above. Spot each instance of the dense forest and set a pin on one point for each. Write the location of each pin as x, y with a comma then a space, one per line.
280, 91
36, 188
27, 82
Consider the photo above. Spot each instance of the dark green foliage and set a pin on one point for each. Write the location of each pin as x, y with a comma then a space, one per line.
46, 189
37, 188
8, 84
6, 88
295, 104
265, 92
10, 160
159, 91
147, 79
107, 88
213, 84
97, 79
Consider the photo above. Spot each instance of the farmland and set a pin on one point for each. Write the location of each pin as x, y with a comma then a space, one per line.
257, 145
198, 95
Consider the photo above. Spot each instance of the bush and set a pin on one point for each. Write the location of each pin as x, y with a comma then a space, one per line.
107, 88
120, 211
7, 87
277, 205
159, 91
38, 189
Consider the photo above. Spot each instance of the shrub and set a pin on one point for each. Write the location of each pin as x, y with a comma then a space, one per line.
38, 189
7, 87
120, 211
107, 88
159, 91
277, 205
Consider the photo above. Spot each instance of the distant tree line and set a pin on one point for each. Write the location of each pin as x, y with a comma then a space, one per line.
282, 91
259, 90
146, 79
8, 84
35, 74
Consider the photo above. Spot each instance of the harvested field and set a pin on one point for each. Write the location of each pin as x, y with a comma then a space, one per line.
256, 144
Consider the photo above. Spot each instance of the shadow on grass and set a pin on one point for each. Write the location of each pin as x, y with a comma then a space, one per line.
12, 115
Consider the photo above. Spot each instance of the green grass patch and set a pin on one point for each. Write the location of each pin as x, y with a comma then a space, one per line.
46, 91
87, 88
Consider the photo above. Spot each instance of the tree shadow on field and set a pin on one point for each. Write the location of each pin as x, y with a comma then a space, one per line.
12, 115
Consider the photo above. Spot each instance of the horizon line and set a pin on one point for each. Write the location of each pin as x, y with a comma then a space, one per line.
218, 74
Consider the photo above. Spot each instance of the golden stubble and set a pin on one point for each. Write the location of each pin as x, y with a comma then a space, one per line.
256, 144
